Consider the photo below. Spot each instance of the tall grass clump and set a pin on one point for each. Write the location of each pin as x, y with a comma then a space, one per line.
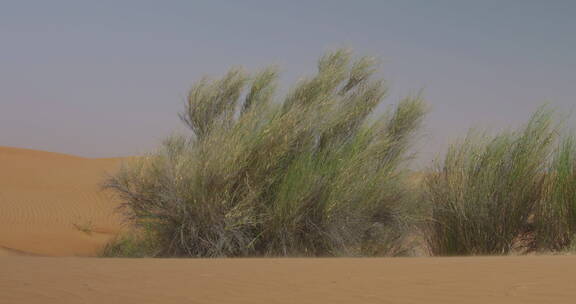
556, 216
487, 187
313, 173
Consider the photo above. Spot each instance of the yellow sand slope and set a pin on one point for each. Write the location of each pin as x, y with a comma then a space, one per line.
51, 204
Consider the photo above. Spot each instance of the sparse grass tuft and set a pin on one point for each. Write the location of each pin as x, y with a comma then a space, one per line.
129, 245
86, 227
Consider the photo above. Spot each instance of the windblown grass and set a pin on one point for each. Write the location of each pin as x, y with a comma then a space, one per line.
486, 188
313, 174
556, 216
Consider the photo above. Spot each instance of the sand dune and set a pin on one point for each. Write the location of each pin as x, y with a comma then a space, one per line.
315, 281
51, 204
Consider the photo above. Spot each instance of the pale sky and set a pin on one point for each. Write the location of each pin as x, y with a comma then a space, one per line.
107, 78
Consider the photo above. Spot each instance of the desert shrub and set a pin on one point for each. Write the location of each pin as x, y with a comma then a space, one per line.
485, 190
556, 215
312, 174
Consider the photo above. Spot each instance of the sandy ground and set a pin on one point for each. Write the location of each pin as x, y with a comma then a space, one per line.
47, 199
548, 279
51, 204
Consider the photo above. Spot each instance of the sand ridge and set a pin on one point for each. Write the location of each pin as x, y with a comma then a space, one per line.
52, 204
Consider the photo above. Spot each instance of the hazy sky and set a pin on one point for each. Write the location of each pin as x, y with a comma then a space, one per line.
107, 78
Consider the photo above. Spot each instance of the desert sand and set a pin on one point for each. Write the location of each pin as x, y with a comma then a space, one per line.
52, 205
401, 280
